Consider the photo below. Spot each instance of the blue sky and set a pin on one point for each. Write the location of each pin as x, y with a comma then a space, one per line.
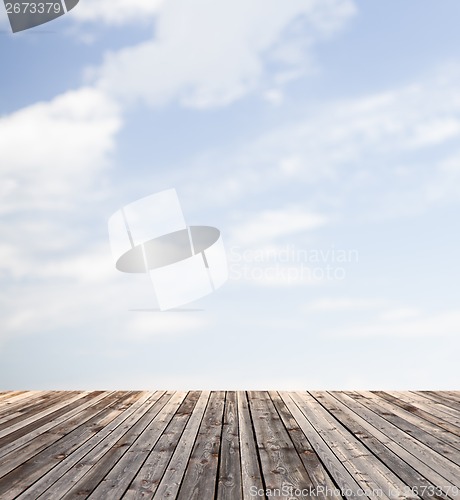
305, 128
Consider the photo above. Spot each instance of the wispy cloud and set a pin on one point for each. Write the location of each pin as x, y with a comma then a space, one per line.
267, 226
147, 325
379, 156
343, 304
51, 152
399, 314
396, 325
205, 54
117, 12
53, 157
324, 172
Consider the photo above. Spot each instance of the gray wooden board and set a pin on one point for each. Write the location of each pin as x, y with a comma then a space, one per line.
448, 399
100, 466
437, 401
148, 477
372, 476
120, 475
444, 450
229, 445
27, 434
409, 475
321, 481
424, 411
25, 469
65, 474
62, 443
173, 476
281, 465
447, 442
425, 460
251, 476
229, 482
342, 477
200, 477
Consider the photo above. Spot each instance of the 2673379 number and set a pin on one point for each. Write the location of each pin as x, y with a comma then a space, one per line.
33, 8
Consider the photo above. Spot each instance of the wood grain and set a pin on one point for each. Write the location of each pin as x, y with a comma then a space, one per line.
228, 445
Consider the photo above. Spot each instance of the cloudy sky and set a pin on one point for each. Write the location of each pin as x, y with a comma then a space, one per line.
320, 136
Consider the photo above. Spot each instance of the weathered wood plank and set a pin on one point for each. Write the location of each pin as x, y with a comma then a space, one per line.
424, 411
147, 479
455, 395
30, 449
67, 472
26, 425
31, 400
409, 449
13, 397
281, 465
120, 475
378, 445
445, 398
444, 442
437, 402
320, 478
15, 403
9, 394
372, 476
229, 445
251, 476
24, 469
435, 408
172, 478
201, 474
96, 467
29, 412
229, 483
336, 469
27, 434
445, 453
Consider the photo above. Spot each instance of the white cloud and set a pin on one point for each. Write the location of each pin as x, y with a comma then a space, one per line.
51, 151
388, 320
208, 53
274, 96
402, 313
116, 12
269, 225
435, 131
451, 165
291, 165
381, 155
436, 325
345, 133
53, 156
444, 186
343, 304
86, 266
56, 305
145, 325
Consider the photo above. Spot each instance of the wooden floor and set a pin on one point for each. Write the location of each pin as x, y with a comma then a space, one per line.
229, 445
